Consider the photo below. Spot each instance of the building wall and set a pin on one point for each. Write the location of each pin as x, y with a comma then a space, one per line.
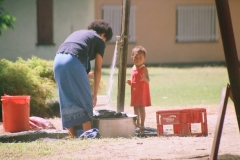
156, 30
68, 16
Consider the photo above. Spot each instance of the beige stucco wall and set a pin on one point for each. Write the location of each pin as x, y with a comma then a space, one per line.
21, 42
156, 30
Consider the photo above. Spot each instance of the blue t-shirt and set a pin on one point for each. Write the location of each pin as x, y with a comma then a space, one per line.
85, 44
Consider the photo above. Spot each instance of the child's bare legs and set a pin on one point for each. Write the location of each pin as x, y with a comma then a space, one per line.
142, 116
136, 112
86, 126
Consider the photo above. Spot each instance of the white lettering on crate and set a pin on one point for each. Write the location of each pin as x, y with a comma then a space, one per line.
170, 118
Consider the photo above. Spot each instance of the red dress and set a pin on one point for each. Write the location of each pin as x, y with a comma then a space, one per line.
140, 93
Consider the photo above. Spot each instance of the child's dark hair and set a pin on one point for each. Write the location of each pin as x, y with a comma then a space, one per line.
101, 26
139, 49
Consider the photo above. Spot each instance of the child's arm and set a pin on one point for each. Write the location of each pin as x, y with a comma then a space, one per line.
128, 82
145, 76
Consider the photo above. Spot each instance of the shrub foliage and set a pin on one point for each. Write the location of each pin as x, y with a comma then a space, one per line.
33, 77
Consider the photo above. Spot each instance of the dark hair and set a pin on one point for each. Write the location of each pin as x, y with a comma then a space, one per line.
139, 49
101, 26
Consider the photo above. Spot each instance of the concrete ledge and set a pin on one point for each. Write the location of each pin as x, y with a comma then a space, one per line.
28, 136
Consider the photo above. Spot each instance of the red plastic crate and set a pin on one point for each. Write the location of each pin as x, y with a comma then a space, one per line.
198, 115
176, 118
181, 121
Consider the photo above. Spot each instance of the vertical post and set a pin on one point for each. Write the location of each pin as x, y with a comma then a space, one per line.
219, 125
230, 52
123, 55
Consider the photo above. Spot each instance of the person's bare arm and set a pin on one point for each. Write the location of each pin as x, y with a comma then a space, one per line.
145, 76
129, 82
97, 77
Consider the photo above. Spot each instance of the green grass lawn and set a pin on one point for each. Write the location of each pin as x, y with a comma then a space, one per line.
177, 86
169, 87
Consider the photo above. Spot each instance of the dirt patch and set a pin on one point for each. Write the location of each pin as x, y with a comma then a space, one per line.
173, 147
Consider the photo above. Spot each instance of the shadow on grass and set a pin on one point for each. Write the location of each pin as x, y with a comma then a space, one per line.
228, 157
220, 157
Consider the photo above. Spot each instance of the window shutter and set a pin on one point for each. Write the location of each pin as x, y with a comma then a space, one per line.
196, 23
113, 15
44, 22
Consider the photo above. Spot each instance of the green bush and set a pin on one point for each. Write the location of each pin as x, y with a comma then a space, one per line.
33, 77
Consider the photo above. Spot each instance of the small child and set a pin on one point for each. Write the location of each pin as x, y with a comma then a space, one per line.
139, 82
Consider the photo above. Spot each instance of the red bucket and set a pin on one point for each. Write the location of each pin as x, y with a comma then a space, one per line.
15, 113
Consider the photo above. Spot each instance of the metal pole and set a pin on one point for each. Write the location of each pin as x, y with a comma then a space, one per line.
230, 52
123, 55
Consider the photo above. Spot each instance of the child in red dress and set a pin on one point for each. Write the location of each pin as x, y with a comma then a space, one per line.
139, 82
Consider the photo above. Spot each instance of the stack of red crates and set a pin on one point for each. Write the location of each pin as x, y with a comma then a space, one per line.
181, 120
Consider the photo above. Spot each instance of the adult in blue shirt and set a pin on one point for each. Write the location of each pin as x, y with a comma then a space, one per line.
71, 67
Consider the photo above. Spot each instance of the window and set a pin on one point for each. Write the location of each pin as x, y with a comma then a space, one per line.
196, 23
113, 15
45, 22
